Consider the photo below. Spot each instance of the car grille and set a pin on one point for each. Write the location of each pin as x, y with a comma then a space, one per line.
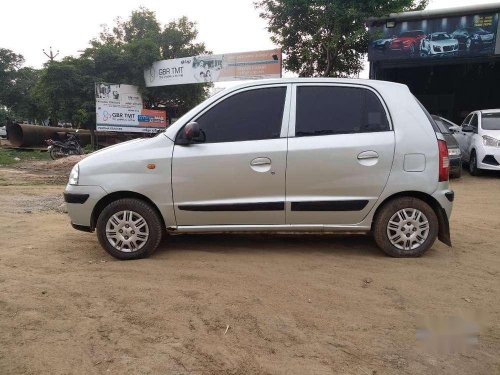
447, 48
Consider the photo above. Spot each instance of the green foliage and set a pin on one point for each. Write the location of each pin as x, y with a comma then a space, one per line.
120, 55
64, 90
326, 37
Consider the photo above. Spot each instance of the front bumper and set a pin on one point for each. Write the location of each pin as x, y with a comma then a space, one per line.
488, 158
80, 203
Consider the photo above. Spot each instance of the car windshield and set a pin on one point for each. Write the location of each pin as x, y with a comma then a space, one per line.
441, 125
411, 34
440, 37
490, 121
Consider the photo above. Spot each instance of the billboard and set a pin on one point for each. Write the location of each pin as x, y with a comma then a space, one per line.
214, 68
435, 38
120, 108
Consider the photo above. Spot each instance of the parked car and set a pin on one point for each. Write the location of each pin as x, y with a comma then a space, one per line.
408, 41
358, 155
454, 153
473, 37
439, 44
3, 132
479, 140
382, 44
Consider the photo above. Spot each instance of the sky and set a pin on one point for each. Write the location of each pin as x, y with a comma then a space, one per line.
29, 26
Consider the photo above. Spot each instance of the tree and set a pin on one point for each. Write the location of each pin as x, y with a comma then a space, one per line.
326, 37
121, 54
16, 87
65, 88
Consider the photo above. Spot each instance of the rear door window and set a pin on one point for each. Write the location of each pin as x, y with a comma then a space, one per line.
325, 110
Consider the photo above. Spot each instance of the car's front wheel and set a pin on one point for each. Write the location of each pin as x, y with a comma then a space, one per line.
473, 169
405, 227
129, 229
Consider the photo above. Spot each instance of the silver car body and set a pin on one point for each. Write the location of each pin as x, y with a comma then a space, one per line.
188, 180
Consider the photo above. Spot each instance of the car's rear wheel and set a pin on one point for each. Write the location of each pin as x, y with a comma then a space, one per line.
473, 169
405, 227
129, 229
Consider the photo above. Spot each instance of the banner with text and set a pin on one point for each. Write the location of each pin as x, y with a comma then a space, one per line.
119, 108
214, 68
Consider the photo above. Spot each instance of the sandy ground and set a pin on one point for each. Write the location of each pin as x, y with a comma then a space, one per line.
242, 304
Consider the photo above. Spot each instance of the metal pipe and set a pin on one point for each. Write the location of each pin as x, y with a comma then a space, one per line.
24, 135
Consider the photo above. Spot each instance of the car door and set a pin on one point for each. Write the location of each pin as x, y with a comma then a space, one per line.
237, 175
340, 153
460, 136
469, 137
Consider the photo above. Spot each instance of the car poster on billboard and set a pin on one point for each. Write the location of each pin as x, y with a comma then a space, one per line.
461, 36
213, 68
119, 108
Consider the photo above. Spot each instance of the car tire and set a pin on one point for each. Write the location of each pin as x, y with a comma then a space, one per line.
473, 169
144, 238
418, 213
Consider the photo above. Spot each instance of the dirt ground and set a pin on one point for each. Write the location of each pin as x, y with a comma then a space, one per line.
243, 304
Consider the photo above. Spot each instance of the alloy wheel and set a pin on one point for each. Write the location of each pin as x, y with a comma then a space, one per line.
127, 231
408, 229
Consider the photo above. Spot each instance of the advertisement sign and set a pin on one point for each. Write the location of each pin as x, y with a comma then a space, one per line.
461, 36
120, 108
214, 68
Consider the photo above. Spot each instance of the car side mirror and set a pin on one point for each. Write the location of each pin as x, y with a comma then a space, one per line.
191, 133
467, 129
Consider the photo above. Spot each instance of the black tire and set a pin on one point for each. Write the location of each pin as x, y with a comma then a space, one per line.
381, 223
142, 208
55, 153
473, 169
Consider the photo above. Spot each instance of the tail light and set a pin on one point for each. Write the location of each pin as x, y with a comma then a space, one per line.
444, 161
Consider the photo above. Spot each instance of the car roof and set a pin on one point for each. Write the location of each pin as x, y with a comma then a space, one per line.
353, 81
490, 110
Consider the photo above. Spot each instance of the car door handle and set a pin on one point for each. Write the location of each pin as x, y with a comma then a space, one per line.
367, 155
260, 161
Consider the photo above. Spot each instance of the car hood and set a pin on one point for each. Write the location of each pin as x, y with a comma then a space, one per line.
492, 133
405, 39
445, 42
484, 32
128, 158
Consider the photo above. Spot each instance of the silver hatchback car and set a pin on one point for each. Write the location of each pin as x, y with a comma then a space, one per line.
311, 155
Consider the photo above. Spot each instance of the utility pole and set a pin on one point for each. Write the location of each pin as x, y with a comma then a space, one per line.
50, 55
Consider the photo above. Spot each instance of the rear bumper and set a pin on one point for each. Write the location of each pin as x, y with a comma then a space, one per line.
445, 199
455, 165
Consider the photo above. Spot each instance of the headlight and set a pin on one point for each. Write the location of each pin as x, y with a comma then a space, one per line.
73, 176
453, 151
490, 141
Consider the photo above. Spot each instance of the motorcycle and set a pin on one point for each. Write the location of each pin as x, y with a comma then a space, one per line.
59, 149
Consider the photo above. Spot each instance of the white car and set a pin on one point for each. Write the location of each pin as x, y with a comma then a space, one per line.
3, 132
439, 43
479, 140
